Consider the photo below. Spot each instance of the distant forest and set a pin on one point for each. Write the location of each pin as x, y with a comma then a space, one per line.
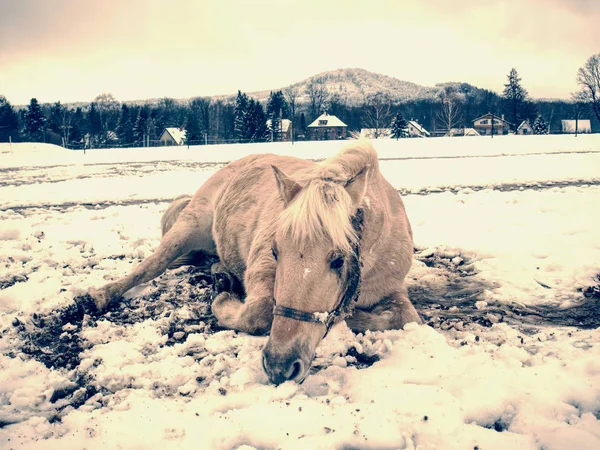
106, 122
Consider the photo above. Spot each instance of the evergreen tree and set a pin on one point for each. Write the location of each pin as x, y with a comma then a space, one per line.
9, 121
277, 109
193, 132
256, 122
94, 127
399, 127
35, 121
240, 121
515, 97
78, 128
125, 126
303, 124
539, 126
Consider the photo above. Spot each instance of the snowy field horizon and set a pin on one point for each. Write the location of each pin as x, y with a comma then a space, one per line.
506, 276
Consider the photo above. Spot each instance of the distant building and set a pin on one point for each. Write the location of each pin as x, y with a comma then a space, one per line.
172, 136
374, 133
462, 132
582, 126
327, 127
524, 128
415, 129
488, 122
285, 130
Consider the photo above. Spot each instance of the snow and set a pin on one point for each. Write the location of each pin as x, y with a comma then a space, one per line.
515, 215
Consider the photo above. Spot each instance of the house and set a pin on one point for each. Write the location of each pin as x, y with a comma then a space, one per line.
327, 127
285, 130
524, 128
374, 133
415, 129
570, 127
488, 122
172, 136
462, 132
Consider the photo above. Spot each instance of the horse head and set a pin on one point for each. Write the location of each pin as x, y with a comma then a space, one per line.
318, 270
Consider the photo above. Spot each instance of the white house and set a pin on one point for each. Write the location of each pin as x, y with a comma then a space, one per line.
285, 131
415, 129
582, 126
374, 133
172, 136
524, 128
462, 132
327, 127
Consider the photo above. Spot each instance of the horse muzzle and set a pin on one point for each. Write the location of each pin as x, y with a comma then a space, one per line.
289, 366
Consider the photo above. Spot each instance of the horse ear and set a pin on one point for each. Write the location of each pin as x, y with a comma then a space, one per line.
288, 188
357, 185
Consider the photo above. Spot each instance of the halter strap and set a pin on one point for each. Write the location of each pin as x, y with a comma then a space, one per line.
303, 316
346, 303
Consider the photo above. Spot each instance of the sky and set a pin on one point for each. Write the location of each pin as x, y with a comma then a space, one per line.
73, 50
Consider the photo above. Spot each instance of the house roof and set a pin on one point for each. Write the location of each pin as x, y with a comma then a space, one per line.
285, 124
177, 134
525, 123
582, 126
418, 127
488, 115
331, 121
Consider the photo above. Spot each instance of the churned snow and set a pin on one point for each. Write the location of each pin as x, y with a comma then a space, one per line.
519, 213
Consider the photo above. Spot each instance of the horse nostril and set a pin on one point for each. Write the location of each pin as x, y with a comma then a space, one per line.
295, 370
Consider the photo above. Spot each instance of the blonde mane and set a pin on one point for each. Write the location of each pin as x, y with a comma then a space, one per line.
323, 208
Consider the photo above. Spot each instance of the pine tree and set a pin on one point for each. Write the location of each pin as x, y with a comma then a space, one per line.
515, 96
399, 127
78, 128
94, 126
277, 109
256, 122
9, 121
241, 110
125, 126
35, 121
539, 126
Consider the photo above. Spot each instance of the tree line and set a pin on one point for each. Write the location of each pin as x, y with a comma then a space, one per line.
106, 122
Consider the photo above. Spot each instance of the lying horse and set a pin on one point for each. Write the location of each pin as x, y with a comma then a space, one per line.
301, 246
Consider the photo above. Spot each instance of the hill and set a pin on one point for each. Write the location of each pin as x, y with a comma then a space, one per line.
354, 85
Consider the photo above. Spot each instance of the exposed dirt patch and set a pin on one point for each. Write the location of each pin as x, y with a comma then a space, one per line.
453, 303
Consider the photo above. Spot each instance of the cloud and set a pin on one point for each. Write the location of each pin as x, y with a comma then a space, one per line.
142, 48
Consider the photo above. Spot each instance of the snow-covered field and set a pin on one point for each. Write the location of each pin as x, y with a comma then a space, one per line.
506, 276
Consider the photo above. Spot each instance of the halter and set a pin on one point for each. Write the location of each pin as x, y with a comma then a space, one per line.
348, 297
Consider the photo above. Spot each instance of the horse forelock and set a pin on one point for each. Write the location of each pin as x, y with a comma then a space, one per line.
322, 209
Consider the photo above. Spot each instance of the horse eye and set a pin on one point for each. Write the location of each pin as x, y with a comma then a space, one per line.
337, 262
274, 253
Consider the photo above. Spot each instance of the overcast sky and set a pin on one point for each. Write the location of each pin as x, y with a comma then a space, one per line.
73, 50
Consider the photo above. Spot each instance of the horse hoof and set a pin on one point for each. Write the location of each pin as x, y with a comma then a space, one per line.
221, 283
86, 304
93, 302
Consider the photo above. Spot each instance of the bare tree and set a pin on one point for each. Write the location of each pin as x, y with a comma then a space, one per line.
580, 105
377, 112
588, 78
449, 110
317, 95
291, 97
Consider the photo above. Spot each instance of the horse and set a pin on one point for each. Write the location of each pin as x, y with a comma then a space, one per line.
300, 245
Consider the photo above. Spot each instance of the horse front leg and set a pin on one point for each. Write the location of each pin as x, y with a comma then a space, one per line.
391, 313
255, 314
187, 234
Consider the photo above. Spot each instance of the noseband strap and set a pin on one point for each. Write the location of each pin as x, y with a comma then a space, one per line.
317, 317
